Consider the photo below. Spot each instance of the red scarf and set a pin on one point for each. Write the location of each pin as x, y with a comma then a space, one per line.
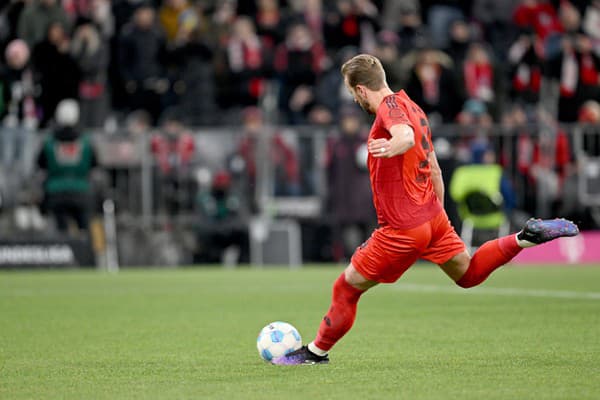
477, 77
588, 71
577, 70
527, 78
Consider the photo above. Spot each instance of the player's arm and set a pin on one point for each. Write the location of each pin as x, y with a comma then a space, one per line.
436, 177
402, 139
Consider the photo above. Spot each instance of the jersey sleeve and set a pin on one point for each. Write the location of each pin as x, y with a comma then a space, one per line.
392, 112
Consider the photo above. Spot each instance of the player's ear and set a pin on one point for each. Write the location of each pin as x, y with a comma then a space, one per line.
360, 89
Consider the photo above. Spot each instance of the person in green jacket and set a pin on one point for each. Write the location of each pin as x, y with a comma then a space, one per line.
68, 158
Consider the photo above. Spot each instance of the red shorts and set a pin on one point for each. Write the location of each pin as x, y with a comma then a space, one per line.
389, 252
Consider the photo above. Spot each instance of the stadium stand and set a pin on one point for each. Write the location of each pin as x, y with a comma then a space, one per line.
171, 91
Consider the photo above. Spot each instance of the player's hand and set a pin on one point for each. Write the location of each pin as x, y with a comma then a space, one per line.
380, 148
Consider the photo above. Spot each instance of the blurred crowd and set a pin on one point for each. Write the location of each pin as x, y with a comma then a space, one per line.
460, 60
501, 81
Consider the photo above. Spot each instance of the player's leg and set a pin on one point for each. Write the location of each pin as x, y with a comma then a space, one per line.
469, 271
370, 264
347, 289
340, 317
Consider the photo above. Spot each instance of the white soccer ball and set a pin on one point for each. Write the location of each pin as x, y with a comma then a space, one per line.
277, 339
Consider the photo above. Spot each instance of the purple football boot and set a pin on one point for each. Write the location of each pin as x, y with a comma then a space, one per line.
302, 356
541, 231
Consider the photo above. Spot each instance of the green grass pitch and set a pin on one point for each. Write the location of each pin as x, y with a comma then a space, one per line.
527, 333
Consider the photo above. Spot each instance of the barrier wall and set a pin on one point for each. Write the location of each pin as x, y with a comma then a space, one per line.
32, 252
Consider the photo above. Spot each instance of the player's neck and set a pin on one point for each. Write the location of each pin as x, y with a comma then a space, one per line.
378, 96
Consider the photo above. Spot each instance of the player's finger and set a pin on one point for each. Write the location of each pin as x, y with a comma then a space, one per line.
380, 155
379, 151
377, 145
376, 142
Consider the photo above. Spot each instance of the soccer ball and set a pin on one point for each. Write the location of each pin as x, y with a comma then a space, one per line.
277, 339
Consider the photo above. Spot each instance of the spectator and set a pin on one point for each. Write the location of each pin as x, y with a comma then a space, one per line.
474, 122
459, 41
571, 202
474, 115
386, 50
347, 23
282, 158
269, 21
174, 149
516, 127
141, 53
412, 34
242, 76
57, 72
223, 17
480, 78
223, 232
192, 73
538, 15
570, 20
440, 15
433, 85
589, 115
392, 9
100, 14
138, 124
577, 68
18, 111
331, 92
525, 72
68, 158
589, 112
320, 115
311, 14
10, 12
36, 19
17, 83
495, 19
76, 8
176, 18
349, 197
122, 11
299, 62
545, 161
90, 52
591, 20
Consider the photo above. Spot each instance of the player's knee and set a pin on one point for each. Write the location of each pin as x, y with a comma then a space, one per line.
356, 280
457, 266
461, 271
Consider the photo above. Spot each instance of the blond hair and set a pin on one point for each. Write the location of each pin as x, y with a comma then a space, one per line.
366, 70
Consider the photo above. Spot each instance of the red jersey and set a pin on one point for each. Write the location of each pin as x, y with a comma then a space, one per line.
403, 192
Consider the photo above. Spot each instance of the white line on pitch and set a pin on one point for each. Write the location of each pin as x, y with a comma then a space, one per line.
559, 294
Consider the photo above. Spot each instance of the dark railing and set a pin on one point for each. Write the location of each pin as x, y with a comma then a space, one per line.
282, 172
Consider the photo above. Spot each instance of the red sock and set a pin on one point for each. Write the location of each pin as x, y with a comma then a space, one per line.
487, 258
341, 314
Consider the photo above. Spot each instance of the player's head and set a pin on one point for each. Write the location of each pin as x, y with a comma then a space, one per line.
364, 73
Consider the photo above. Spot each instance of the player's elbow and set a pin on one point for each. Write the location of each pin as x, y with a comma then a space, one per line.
410, 142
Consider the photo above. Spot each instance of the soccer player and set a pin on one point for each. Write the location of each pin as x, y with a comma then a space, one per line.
408, 195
